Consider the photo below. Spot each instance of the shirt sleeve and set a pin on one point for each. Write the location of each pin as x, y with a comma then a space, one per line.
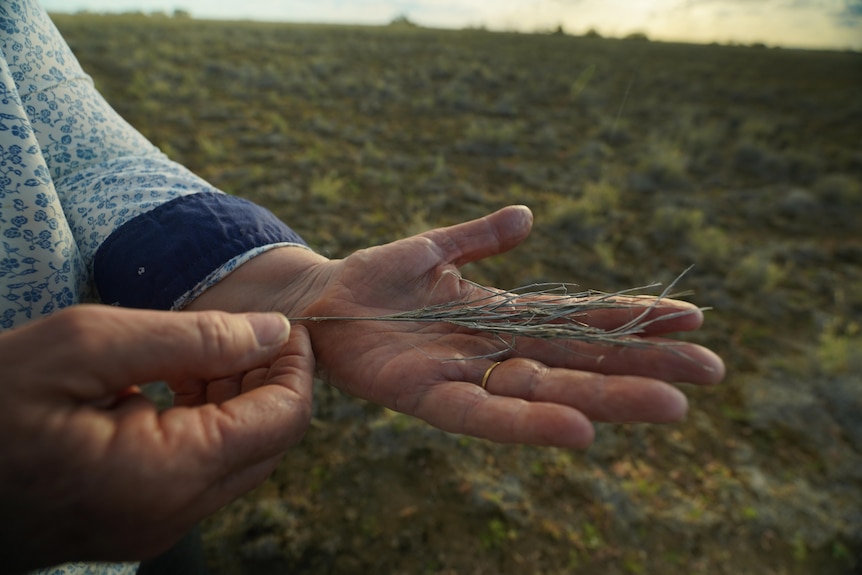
197, 233
151, 233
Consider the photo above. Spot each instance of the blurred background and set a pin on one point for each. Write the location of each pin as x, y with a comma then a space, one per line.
788, 23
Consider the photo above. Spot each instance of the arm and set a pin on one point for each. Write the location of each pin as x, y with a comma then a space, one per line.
147, 232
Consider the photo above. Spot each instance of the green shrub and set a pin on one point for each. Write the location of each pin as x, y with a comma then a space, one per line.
839, 190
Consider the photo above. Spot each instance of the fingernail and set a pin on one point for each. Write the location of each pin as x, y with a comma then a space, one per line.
528, 213
269, 328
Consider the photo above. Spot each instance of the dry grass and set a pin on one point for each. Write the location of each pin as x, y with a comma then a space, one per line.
549, 311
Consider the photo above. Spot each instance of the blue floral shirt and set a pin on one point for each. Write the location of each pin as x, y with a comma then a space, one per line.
92, 211
89, 209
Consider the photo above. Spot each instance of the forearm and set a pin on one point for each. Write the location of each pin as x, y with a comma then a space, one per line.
150, 234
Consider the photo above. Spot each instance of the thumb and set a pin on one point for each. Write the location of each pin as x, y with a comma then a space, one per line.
110, 349
484, 237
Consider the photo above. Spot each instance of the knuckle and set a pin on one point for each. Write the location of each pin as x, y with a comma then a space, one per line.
218, 333
530, 373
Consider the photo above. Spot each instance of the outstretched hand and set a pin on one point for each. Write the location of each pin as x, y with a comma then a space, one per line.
542, 392
89, 469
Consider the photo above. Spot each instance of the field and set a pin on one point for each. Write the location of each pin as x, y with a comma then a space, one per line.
638, 158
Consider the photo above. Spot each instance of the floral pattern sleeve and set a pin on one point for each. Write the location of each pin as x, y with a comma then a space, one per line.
89, 209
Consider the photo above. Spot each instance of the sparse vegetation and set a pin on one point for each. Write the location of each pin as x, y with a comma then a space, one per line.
638, 158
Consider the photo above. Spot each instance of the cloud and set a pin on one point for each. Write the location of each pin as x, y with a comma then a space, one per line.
803, 23
851, 14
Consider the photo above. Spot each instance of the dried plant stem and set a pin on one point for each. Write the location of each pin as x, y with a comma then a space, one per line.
544, 311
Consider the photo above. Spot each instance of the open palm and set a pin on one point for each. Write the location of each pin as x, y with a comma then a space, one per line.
543, 392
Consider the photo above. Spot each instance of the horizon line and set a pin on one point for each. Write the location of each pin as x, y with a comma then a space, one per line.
404, 22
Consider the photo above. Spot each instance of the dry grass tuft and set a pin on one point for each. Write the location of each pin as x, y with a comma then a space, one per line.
550, 311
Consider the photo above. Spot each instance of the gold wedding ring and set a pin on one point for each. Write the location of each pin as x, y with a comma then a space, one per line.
488, 374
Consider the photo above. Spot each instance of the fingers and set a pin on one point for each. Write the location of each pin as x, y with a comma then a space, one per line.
491, 235
117, 348
608, 398
263, 422
273, 415
458, 407
662, 359
197, 392
211, 454
653, 316
527, 402
186, 463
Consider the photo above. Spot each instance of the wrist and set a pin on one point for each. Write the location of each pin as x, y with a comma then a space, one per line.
286, 280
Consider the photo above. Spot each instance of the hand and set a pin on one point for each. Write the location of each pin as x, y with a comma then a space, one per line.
89, 469
543, 393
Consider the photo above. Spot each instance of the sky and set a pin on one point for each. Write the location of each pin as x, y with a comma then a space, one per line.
787, 23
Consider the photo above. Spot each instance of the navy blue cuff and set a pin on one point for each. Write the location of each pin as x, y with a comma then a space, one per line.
156, 258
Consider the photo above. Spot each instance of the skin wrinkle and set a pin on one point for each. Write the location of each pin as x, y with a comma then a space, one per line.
537, 372
454, 374
498, 238
286, 400
444, 247
499, 244
217, 337
516, 421
462, 367
218, 427
209, 424
479, 397
288, 299
333, 380
231, 419
221, 466
415, 404
289, 400
447, 285
363, 280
